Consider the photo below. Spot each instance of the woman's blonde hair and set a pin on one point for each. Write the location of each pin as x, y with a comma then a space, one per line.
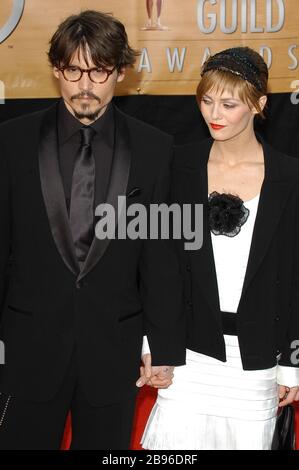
240, 70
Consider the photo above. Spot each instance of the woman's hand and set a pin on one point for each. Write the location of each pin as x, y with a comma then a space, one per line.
162, 378
287, 394
154, 376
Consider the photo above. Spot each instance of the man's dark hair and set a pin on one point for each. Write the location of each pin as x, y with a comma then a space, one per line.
100, 34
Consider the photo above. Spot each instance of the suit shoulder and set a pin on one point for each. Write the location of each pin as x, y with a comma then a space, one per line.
23, 123
145, 129
289, 165
290, 161
191, 154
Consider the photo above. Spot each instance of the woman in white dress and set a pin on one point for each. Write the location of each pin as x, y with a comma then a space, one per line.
242, 286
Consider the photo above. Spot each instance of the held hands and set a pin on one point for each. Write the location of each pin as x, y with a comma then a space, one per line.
155, 376
287, 395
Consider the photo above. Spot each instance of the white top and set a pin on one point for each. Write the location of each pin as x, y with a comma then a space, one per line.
231, 258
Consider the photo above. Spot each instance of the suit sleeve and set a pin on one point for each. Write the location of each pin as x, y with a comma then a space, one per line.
5, 224
162, 286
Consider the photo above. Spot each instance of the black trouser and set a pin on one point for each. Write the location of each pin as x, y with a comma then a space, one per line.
40, 426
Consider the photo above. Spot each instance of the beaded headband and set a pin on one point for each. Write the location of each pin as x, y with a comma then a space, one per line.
239, 61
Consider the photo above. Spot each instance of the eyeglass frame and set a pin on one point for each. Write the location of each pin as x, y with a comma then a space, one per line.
88, 71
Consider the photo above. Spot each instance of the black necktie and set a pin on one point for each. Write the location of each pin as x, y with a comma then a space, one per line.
82, 196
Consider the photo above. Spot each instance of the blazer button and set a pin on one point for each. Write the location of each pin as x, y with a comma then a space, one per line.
189, 303
277, 318
277, 282
188, 267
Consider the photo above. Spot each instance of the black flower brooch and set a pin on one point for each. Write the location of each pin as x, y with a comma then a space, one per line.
227, 214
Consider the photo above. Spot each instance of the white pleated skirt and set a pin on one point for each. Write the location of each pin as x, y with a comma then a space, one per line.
214, 405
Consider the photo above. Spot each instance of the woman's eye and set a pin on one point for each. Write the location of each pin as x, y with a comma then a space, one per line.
229, 106
206, 101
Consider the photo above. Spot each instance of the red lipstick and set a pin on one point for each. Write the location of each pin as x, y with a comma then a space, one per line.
216, 127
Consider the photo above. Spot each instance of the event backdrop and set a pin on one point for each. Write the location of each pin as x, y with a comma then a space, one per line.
172, 52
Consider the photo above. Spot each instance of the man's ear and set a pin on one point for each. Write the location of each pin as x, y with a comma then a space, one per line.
55, 72
121, 74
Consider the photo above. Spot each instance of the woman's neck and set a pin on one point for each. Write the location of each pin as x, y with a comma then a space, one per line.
242, 148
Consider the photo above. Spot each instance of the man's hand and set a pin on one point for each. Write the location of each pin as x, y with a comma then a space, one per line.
287, 395
161, 376
145, 370
155, 376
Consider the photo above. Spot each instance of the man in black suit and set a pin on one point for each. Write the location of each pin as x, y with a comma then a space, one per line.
76, 307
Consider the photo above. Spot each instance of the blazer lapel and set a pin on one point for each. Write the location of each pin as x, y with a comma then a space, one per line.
117, 187
203, 259
52, 190
273, 198
195, 188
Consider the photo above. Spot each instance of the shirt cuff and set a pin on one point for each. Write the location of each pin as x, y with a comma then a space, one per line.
145, 347
288, 376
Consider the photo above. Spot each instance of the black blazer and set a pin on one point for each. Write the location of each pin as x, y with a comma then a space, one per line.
268, 313
125, 287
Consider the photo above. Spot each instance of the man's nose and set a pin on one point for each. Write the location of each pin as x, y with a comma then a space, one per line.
85, 83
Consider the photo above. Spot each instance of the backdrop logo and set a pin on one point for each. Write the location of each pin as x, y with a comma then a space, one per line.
13, 20
154, 19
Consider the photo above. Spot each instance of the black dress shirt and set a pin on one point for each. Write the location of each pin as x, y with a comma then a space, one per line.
102, 146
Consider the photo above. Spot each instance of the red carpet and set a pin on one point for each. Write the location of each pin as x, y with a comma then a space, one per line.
145, 401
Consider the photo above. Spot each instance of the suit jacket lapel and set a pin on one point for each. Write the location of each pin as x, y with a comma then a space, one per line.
117, 186
273, 198
195, 188
52, 189
204, 264
204, 258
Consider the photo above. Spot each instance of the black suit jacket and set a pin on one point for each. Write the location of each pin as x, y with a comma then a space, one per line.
268, 313
125, 287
